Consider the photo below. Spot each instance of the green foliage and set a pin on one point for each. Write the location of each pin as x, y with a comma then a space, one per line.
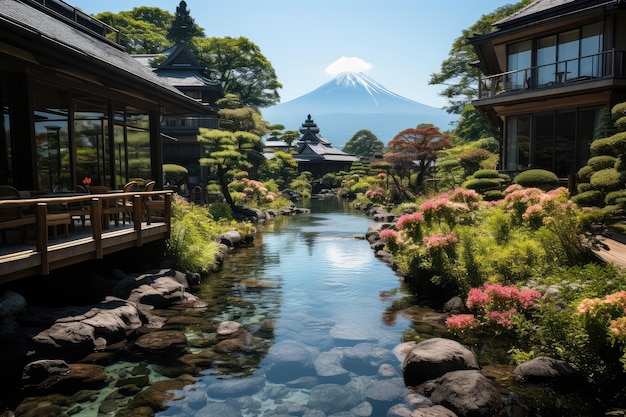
491, 144
584, 174
607, 180
193, 244
174, 173
613, 145
219, 211
591, 198
302, 184
142, 30
493, 195
539, 178
472, 160
481, 185
600, 162
282, 169
241, 68
616, 198
486, 173
363, 144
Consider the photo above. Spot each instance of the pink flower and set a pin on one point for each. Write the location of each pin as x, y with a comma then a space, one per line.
439, 241
388, 234
502, 318
410, 220
476, 298
461, 322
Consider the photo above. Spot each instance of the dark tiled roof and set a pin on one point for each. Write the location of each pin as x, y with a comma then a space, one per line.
539, 8
43, 33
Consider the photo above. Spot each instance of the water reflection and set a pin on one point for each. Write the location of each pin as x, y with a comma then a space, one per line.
318, 338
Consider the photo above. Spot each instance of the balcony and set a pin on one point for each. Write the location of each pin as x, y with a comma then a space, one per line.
92, 229
604, 65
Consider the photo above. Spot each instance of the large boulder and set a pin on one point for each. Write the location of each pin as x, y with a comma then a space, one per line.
467, 393
435, 357
545, 370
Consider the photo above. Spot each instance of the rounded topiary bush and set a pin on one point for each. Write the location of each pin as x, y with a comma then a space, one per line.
481, 185
539, 178
616, 198
584, 173
613, 145
583, 186
593, 198
601, 162
607, 180
493, 195
613, 211
486, 173
490, 144
448, 164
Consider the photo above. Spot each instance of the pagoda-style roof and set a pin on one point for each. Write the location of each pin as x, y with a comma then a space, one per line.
312, 146
181, 69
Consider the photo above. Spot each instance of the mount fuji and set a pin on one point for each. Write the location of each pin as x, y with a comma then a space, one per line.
351, 102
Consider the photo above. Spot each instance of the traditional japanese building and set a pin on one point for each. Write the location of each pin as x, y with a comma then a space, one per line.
75, 104
549, 71
316, 155
180, 145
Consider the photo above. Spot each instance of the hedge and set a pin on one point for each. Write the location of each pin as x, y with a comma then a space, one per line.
539, 178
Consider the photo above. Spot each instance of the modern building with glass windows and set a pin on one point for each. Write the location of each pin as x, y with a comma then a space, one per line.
549, 71
75, 104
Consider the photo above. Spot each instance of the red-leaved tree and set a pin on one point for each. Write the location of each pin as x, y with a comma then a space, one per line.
416, 150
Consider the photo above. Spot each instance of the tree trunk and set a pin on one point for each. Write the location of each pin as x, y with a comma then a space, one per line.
221, 177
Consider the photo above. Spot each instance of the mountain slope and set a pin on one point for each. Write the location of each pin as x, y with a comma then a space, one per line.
354, 101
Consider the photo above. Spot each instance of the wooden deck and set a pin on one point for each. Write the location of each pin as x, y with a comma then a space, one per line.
614, 251
39, 249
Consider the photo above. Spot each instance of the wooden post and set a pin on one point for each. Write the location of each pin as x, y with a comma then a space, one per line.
168, 213
137, 217
96, 225
41, 235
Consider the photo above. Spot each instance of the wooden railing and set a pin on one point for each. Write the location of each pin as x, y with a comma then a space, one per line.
45, 212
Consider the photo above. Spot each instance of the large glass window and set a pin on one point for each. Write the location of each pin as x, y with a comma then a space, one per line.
6, 160
91, 138
52, 138
544, 141
517, 143
519, 58
568, 54
138, 139
565, 143
546, 60
590, 48
119, 145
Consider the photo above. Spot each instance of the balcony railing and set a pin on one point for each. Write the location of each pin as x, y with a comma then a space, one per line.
606, 64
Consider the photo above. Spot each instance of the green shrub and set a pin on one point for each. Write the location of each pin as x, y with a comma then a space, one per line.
481, 185
448, 164
493, 195
589, 217
220, 211
486, 173
583, 186
585, 173
539, 178
591, 198
601, 162
616, 197
490, 144
607, 180
613, 212
471, 159
613, 145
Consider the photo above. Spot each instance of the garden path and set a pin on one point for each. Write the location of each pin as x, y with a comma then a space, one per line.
614, 251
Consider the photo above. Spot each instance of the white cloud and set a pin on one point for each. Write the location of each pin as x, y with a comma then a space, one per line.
348, 64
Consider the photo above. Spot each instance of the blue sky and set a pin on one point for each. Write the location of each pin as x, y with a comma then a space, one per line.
399, 43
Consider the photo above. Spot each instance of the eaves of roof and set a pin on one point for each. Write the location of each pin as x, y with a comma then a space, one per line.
57, 44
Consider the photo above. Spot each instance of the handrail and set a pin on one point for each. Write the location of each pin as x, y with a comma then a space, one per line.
603, 64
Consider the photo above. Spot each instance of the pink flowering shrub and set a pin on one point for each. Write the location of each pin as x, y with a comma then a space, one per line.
518, 199
499, 305
377, 195
391, 238
461, 322
411, 225
250, 191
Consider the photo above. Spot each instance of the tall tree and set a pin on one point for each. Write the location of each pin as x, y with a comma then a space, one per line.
459, 78
136, 35
363, 144
226, 154
241, 68
416, 149
184, 27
